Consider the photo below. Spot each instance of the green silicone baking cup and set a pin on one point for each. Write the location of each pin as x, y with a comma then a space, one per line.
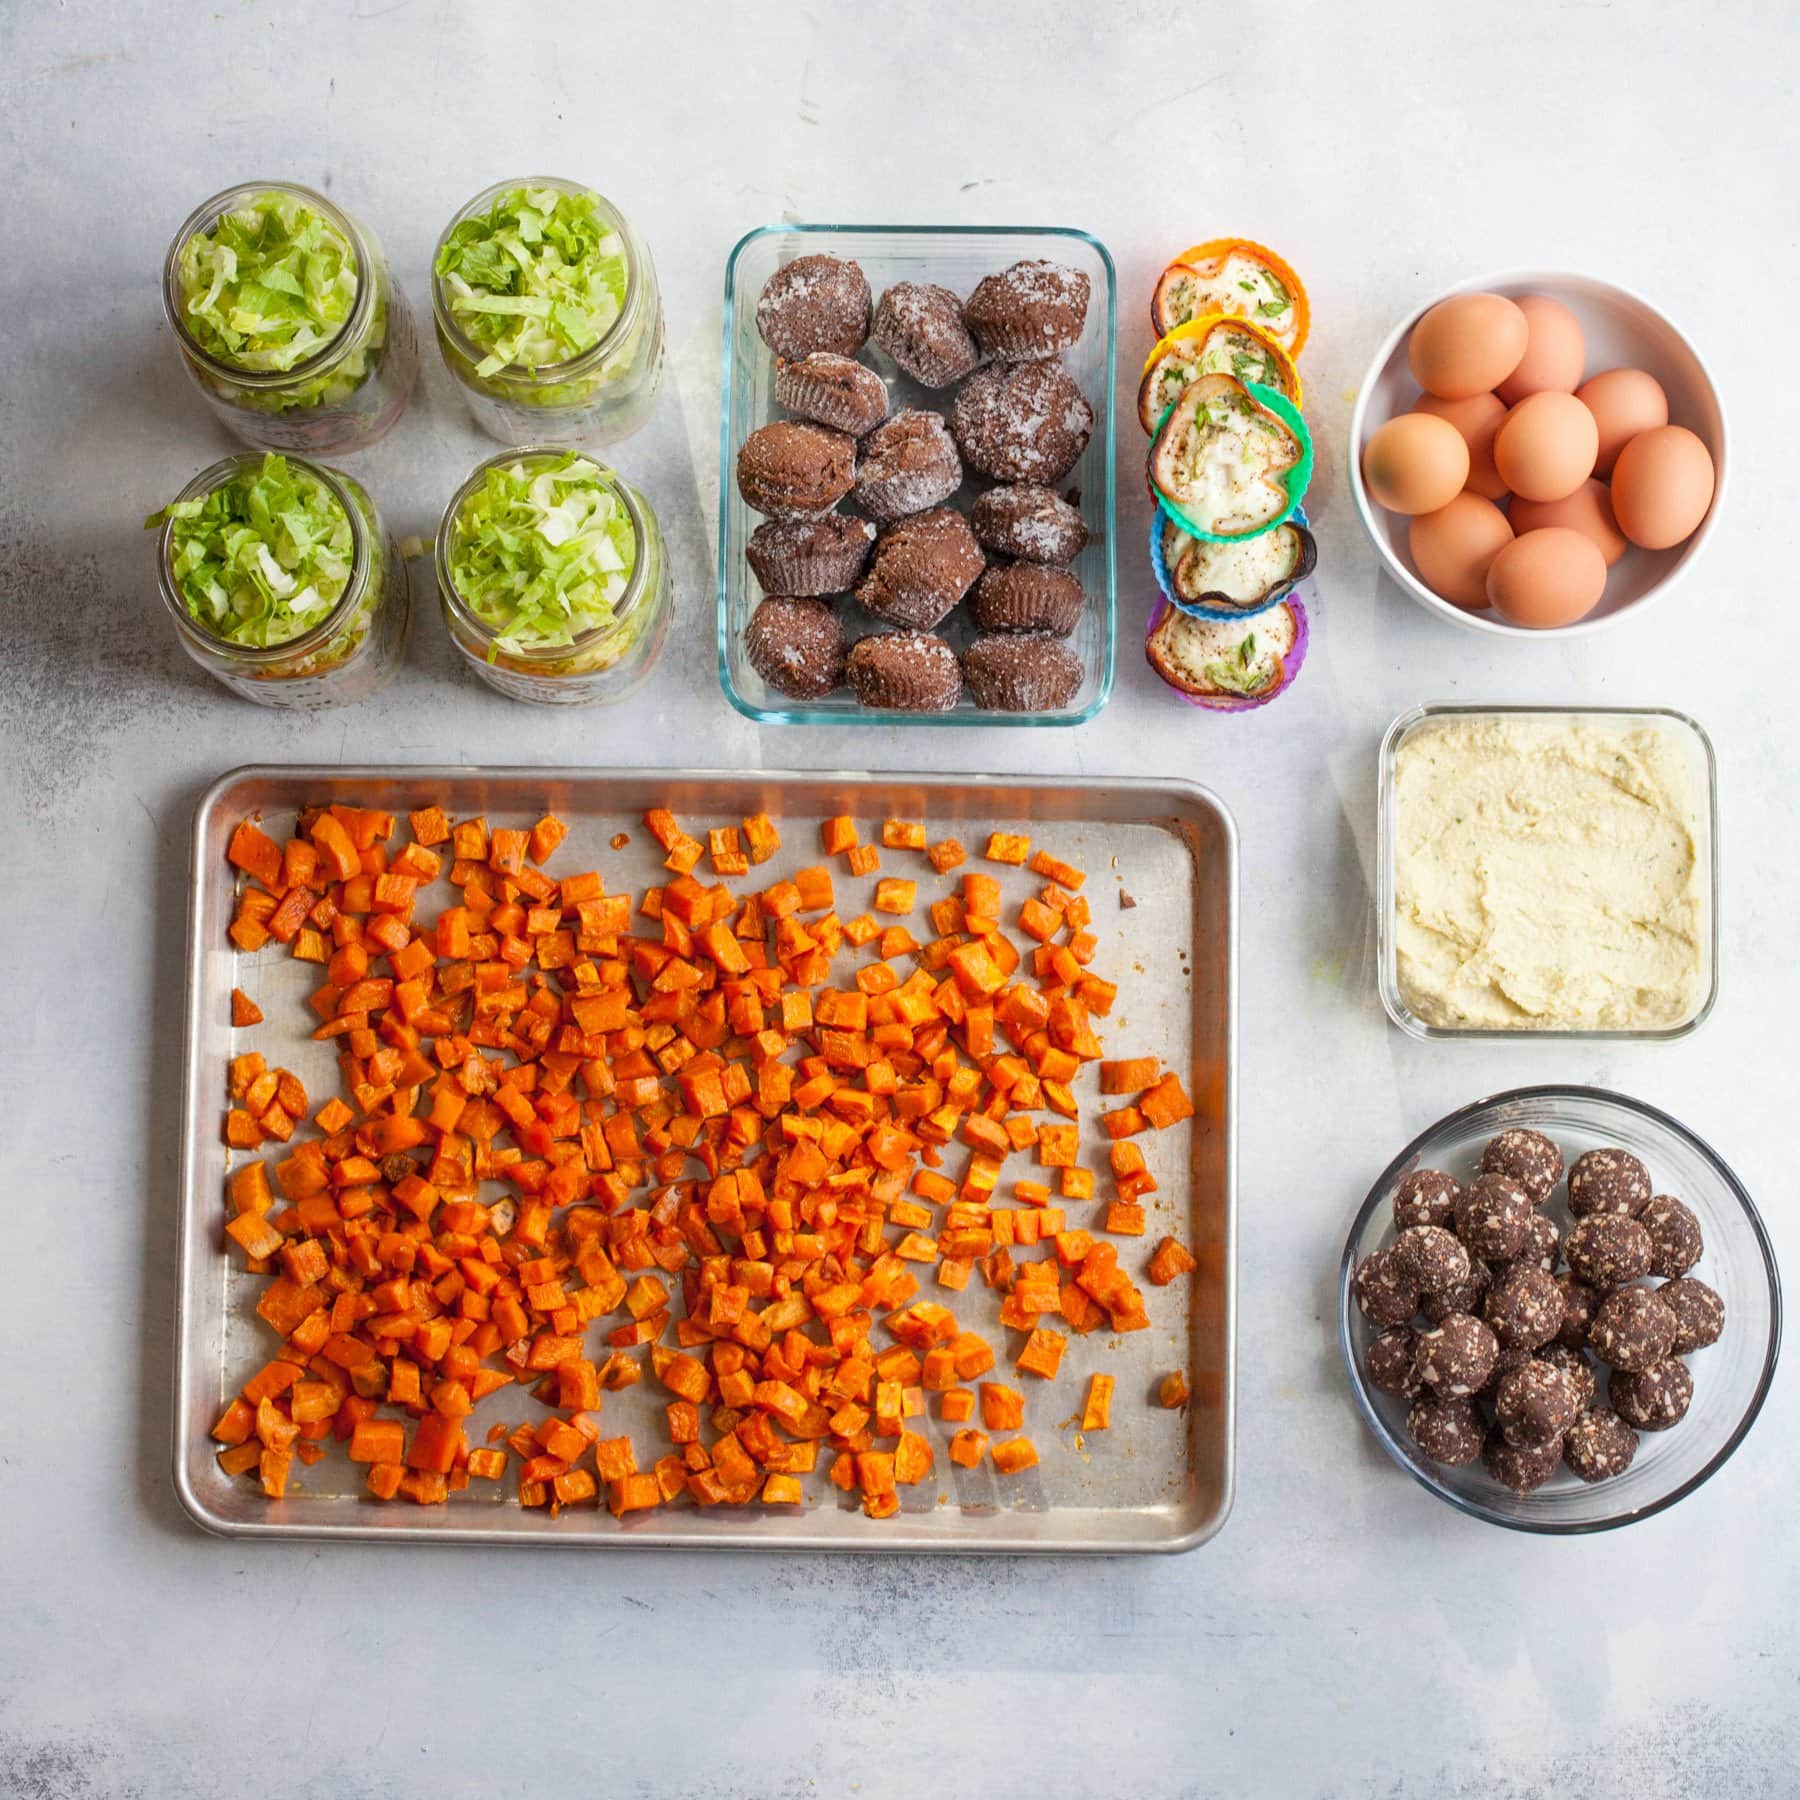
1297, 479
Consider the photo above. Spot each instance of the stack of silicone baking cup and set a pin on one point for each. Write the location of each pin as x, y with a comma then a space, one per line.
1279, 393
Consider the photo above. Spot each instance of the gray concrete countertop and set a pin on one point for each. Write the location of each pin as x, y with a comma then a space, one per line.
1346, 1634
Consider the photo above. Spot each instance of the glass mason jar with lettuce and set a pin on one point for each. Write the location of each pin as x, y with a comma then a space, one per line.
283, 581
548, 314
552, 578
288, 321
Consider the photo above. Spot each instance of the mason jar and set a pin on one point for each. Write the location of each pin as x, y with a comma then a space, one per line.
589, 666
351, 653
282, 379
591, 397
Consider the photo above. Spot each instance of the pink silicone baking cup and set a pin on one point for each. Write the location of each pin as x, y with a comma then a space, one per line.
1239, 703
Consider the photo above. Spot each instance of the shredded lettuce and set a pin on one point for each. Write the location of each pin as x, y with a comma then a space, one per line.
537, 279
270, 285
263, 557
542, 551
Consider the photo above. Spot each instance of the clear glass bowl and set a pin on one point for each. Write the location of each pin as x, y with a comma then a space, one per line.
957, 257
1731, 1377
1703, 766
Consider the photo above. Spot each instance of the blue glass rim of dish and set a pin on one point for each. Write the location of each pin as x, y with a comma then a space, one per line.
1510, 1108
1196, 609
1095, 640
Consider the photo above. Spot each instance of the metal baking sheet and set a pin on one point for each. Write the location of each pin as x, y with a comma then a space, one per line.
1157, 1480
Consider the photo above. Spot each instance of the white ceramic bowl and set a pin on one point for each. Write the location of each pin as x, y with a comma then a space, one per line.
1623, 330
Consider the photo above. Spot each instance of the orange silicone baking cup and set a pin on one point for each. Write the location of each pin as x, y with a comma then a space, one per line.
1292, 282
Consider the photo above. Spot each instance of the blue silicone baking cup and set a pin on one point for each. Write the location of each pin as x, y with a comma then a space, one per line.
1165, 582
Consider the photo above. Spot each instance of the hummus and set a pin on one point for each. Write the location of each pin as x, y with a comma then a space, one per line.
1547, 876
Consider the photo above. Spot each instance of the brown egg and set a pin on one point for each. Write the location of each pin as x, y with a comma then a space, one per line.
1452, 548
1546, 445
1623, 402
1415, 463
1555, 351
1466, 345
1662, 485
1547, 578
1587, 510
1477, 418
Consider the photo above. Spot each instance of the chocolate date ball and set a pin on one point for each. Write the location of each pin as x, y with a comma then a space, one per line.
1699, 1314
1608, 1181
1542, 1246
921, 327
1033, 524
1529, 1158
833, 390
1634, 1329
810, 557
1456, 1358
1426, 1197
814, 303
1675, 1240
1536, 1403
1021, 422
1524, 1308
1580, 1302
790, 469
1504, 1364
1520, 1467
1608, 1249
906, 466
1599, 1445
1388, 1362
1430, 1258
1448, 1431
796, 646
1652, 1399
1491, 1217
1033, 309
1465, 1297
1383, 1292
1578, 1369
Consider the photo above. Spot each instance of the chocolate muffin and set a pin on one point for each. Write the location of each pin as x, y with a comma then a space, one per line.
1021, 421
1599, 1445
1033, 524
1031, 310
809, 557
833, 390
921, 327
790, 470
1021, 671
814, 303
1027, 597
906, 465
921, 567
1426, 1197
908, 671
796, 646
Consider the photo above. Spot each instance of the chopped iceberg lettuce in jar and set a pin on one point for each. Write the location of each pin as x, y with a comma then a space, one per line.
282, 581
548, 314
552, 578
288, 320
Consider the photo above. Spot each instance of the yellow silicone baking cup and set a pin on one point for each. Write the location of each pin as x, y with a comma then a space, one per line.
1198, 328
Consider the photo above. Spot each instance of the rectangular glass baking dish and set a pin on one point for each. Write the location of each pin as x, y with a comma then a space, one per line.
1704, 768
957, 257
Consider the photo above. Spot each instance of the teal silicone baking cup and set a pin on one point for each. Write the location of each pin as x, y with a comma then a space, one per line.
1297, 479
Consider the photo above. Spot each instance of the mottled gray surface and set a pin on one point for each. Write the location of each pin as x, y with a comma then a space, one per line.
1346, 1635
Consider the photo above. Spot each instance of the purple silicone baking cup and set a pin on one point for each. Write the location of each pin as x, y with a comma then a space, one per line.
1240, 703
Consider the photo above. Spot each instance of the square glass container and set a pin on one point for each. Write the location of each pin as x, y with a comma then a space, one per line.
956, 257
1703, 767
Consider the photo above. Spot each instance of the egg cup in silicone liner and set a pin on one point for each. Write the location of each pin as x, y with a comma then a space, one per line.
1242, 703
1200, 328
1278, 266
1198, 609
1296, 480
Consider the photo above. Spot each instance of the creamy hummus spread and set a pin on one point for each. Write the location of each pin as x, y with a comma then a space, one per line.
1547, 875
